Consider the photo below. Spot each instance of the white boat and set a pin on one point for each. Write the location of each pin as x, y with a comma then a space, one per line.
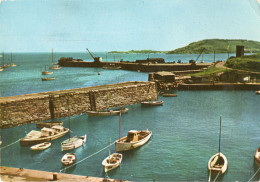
54, 66
218, 163
134, 139
68, 159
107, 113
73, 143
257, 92
1, 69
46, 72
112, 161
257, 156
41, 146
152, 103
12, 64
45, 135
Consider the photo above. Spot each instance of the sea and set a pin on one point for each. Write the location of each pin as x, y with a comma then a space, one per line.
185, 129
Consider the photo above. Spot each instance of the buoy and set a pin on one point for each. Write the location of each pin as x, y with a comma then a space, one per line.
98, 73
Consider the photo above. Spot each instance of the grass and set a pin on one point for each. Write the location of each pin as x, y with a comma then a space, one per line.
211, 71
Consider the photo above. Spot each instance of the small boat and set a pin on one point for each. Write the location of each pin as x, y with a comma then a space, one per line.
134, 139
12, 64
45, 135
169, 95
68, 159
257, 92
49, 124
257, 156
112, 161
41, 146
218, 163
152, 103
46, 72
47, 79
5, 66
108, 112
73, 143
54, 66
1, 69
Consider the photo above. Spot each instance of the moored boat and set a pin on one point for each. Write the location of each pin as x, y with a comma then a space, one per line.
45, 135
112, 161
218, 163
68, 159
257, 156
257, 92
134, 139
73, 143
152, 103
107, 113
46, 72
169, 95
49, 124
41, 146
54, 66
47, 79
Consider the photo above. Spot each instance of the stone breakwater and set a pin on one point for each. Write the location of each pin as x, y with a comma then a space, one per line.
30, 108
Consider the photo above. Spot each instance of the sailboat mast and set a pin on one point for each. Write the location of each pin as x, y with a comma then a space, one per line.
11, 57
120, 126
109, 151
219, 135
69, 123
52, 57
45, 67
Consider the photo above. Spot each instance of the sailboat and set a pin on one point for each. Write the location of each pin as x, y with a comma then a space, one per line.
74, 142
4, 65
112, 161
54, 66
134, 139
46, 72
12, 64
218, 163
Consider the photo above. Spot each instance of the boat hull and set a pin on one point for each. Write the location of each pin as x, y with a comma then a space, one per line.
68, 159
30, 142
75, 143
152, 103
110, 166
257, 156
124, 146
215, 169
169, 95
47, 79
106, 113
39, 147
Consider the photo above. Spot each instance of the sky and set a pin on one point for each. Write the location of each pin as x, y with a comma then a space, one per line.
107, 25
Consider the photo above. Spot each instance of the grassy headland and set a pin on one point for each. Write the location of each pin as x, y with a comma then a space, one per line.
217, 45
248, 63
138, 52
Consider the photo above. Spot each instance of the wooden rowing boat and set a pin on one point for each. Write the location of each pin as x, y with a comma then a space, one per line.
107, 113
45, 135
48, 79
218, 163
73, 143
169, 95
41, 146
112, 161
68, 159
49, 124
152, 103
134, 139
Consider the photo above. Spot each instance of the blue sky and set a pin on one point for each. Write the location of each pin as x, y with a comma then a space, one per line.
105, 25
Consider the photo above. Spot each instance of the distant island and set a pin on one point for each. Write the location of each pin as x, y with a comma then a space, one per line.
209, 46
137, 52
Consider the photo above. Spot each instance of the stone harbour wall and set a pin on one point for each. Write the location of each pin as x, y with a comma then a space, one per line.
30, 108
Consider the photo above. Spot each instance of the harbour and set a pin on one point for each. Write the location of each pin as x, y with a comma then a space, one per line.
185, 129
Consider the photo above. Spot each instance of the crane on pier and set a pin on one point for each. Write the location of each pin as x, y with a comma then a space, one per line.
96, 59
192, 61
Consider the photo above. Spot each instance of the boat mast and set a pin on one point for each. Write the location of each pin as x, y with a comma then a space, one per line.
109, 151
69, 124
52, 57
219, 136
120, 126
45, 67
11, 57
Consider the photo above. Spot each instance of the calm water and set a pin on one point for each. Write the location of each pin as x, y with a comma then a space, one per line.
185, 129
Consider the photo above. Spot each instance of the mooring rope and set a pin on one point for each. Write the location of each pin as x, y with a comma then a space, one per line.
216, 177
87, 157
9, 144
254, 174
209, 175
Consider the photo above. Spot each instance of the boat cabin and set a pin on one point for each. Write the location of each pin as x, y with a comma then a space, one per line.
58, 129
47, 132
132, 136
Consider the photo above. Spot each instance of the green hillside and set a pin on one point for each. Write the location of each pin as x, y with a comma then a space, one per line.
218, 45
138, 52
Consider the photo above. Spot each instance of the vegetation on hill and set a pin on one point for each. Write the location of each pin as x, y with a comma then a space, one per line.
219, 46
138, 51
248, 62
